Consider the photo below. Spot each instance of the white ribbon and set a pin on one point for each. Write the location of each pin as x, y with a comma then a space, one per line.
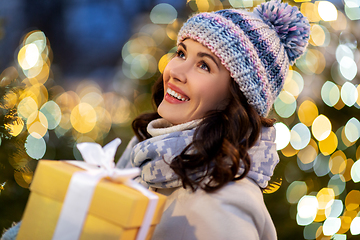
99, 163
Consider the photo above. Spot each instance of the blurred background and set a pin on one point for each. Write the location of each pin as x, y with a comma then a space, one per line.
81, 70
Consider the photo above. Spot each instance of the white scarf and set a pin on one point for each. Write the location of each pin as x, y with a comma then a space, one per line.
153, 155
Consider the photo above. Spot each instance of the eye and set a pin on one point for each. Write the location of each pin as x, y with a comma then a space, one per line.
180, 54
204, 66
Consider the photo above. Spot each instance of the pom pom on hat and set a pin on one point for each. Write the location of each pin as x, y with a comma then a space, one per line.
292, 27
255, 47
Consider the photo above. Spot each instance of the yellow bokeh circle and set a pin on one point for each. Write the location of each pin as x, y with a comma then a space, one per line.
337, 162
83, 118
37, 124
309, 153
325, 197
307, 112
164, 60
26, 107
329, 144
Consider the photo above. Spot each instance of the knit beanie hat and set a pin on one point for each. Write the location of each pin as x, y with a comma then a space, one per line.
255, 47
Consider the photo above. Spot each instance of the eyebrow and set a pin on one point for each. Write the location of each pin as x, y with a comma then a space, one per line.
203, 54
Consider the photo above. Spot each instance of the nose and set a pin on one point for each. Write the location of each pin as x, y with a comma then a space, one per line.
178, 72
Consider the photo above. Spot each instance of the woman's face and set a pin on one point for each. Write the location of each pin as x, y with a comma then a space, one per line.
195, 82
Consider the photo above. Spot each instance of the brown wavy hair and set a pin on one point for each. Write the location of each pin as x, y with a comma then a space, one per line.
221, 142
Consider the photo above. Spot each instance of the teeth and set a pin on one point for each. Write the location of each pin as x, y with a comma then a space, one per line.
175, 95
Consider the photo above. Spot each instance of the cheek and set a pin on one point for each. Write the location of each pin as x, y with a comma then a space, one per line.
165, 77
216, 95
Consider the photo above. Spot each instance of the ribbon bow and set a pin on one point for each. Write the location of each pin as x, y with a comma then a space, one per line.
102, 159
99, 163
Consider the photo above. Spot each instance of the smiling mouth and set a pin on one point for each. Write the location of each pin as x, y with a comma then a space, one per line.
177, 95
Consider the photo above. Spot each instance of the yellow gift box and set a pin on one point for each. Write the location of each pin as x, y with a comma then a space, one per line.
116, 211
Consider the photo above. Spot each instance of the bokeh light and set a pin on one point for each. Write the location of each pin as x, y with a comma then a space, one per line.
26, 107
312, 62
340, 23
327, 11
352, 9
296, 191
119, 108
294, 83
282, 135
172, 29
337, 162
325, 198
163, 13
347, 172
33, 57
140, 66
83, 118
35, 147
52, 112
307, 112
299, 136
335, 210
342, 51
28, 56
321, 165
321, 127
329, 144
349, 94
330, 93
352, 200
319, 36
331, 226
164, 61
339, 237
355, 171
23, 178
306, 210
285, 104
36, 37
309, 153
337, 183
352, 129
311, 230
241, 3
310, 10
355, 226
348, 68
37, 124
344, 142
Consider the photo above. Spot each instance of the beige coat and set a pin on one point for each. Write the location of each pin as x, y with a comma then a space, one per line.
236, 211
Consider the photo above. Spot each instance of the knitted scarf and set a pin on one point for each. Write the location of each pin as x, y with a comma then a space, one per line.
153, 155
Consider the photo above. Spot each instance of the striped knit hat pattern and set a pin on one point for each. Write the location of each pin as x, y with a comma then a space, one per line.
255, 47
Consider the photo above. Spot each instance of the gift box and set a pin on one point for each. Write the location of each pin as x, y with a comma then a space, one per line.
116, 211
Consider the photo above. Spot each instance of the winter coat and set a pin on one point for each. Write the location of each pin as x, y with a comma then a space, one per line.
236, 211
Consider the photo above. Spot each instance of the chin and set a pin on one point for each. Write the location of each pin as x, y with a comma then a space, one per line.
165, 113
172, 114
169, 117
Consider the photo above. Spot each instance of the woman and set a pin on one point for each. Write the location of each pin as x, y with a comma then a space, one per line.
209, 147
